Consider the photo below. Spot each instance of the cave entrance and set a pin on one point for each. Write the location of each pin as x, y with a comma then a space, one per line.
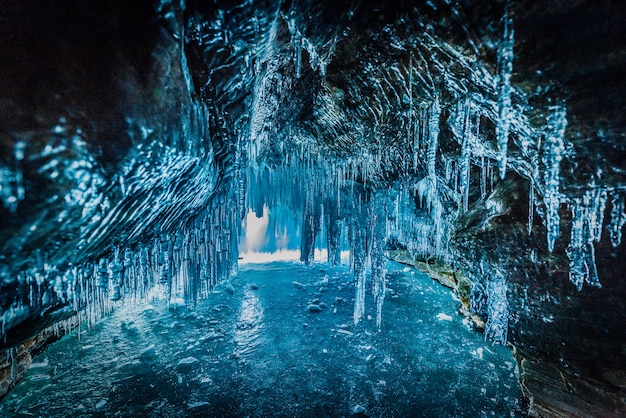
274, 236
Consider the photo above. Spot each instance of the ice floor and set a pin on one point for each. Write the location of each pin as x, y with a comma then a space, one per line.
253, 348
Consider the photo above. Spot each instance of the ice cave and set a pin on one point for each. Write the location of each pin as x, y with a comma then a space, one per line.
298, 208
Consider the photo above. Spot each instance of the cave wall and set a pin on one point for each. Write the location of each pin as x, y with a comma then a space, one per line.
99, 130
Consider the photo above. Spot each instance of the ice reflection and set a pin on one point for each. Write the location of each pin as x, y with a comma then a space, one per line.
249, 325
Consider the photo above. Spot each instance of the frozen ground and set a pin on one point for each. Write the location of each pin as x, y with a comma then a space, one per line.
255, 348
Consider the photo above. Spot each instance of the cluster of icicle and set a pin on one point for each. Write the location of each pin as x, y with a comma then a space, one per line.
178, 266
330, 199
587, 224
436, 181
326, 206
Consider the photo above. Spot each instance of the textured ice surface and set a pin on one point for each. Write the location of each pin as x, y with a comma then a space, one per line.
259, 351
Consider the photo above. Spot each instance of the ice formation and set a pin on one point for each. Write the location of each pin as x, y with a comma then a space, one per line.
588, 218
551, 157
505, 69
497, 326
618, 219
447, 118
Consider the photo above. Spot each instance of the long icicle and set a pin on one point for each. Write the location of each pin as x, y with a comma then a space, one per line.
505, 69
552, 155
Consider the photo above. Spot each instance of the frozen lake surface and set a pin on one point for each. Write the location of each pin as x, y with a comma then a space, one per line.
256, 348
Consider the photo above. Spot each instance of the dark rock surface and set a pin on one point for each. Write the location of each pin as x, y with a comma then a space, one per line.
127, 131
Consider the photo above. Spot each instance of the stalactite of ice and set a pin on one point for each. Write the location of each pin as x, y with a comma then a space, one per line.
359, 254
618, 219
551, 157
466, 153
578, 251
379, 273
411, 117
420, 140
448, 168
334, 226
587, 221
497, 326
428, 193
531, 206
433, 139
483, 175
421, 236
117, 271
505, 69
318, 59
427, 188
310, 228
596, 213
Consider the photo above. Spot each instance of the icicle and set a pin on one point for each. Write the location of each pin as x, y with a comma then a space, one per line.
333, 234
103, 274
618, 219
505, 69
552, 155
183, 63
496, 328
596, 213
418, 135
298, 46
411, 124
578, 268
448, 167
359, 255
359, 298
433, 139
117, 272
427, 192
378, 260
581, 251
531, 206
466, 153
483, 176
310, 228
